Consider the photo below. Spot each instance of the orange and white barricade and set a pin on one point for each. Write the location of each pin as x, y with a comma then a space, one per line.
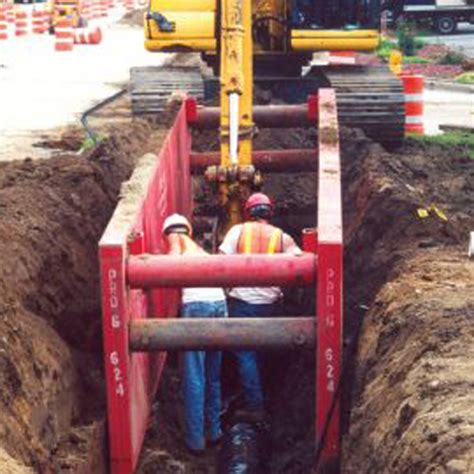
88, 35
64, 35
3, 23
341, 57
413, 86
22, 26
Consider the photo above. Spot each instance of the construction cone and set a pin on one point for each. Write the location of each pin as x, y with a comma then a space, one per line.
3, 24
64, 35
88, 35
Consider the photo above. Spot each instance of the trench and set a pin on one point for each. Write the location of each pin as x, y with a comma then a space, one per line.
408, 312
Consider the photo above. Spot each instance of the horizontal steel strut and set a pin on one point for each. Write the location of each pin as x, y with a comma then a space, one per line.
264, 116
266, 161
221, 334
165, 271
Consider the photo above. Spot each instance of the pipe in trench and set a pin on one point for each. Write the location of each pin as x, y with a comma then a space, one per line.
264, 116
167, 334
267, 161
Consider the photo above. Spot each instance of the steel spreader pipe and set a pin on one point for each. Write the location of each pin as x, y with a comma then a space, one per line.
160, 271
219, 334
264, 116
267, 161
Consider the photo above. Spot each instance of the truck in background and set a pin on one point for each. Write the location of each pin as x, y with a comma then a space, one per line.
441, 15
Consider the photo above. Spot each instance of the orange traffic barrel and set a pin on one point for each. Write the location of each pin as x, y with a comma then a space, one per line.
413, 86
21, 23
88, 35
3, 23
103, 8
38, 24
64, 35
9, 12
342, 57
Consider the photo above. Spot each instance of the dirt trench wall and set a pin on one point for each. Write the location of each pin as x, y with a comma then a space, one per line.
53, 213
410, 280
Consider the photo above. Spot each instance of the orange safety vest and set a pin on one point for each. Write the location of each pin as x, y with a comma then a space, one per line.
257, 237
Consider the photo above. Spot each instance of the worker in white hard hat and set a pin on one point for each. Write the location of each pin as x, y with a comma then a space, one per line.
201, 369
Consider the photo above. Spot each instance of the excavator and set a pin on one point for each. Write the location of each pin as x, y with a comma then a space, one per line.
248, 44
271, 47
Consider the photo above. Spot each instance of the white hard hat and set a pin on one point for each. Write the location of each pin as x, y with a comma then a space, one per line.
176, 220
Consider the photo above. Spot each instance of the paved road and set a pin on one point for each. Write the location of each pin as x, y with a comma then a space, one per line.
447, 108
42, 89
463, 40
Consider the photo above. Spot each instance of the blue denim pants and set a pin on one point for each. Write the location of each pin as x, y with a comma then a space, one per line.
201, 382
247, 360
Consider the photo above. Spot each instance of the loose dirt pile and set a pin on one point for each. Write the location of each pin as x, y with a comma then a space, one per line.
53, 213
406, 280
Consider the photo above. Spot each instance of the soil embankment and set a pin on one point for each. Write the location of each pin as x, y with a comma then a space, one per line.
53, 214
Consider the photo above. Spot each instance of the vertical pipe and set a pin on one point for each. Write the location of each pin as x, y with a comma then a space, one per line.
234, 128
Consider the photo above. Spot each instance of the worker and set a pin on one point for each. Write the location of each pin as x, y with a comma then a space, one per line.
201, 370
256, 235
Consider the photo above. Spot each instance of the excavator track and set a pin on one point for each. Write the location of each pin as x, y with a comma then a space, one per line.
152, 86
370, 98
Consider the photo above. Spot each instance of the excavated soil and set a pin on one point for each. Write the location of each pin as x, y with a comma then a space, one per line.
408, 311
53, 214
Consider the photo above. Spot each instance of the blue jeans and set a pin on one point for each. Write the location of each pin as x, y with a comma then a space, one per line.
247, 360
201, 381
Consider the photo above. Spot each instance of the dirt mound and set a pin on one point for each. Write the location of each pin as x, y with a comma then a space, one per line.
53, 214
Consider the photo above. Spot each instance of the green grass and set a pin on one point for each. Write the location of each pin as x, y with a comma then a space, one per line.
463, 140
466, 78
385, 47
415, 60
88, 143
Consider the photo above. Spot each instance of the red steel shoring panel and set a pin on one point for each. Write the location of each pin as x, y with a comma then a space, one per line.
329, 286
132, 378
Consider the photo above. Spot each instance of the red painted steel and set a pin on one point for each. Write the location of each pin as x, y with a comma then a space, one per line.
155, 271
329, 287
264, 160
132, 378
309, 239
264, 116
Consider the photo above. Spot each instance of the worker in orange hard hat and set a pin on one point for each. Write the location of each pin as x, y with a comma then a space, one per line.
201, 370
256, 235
